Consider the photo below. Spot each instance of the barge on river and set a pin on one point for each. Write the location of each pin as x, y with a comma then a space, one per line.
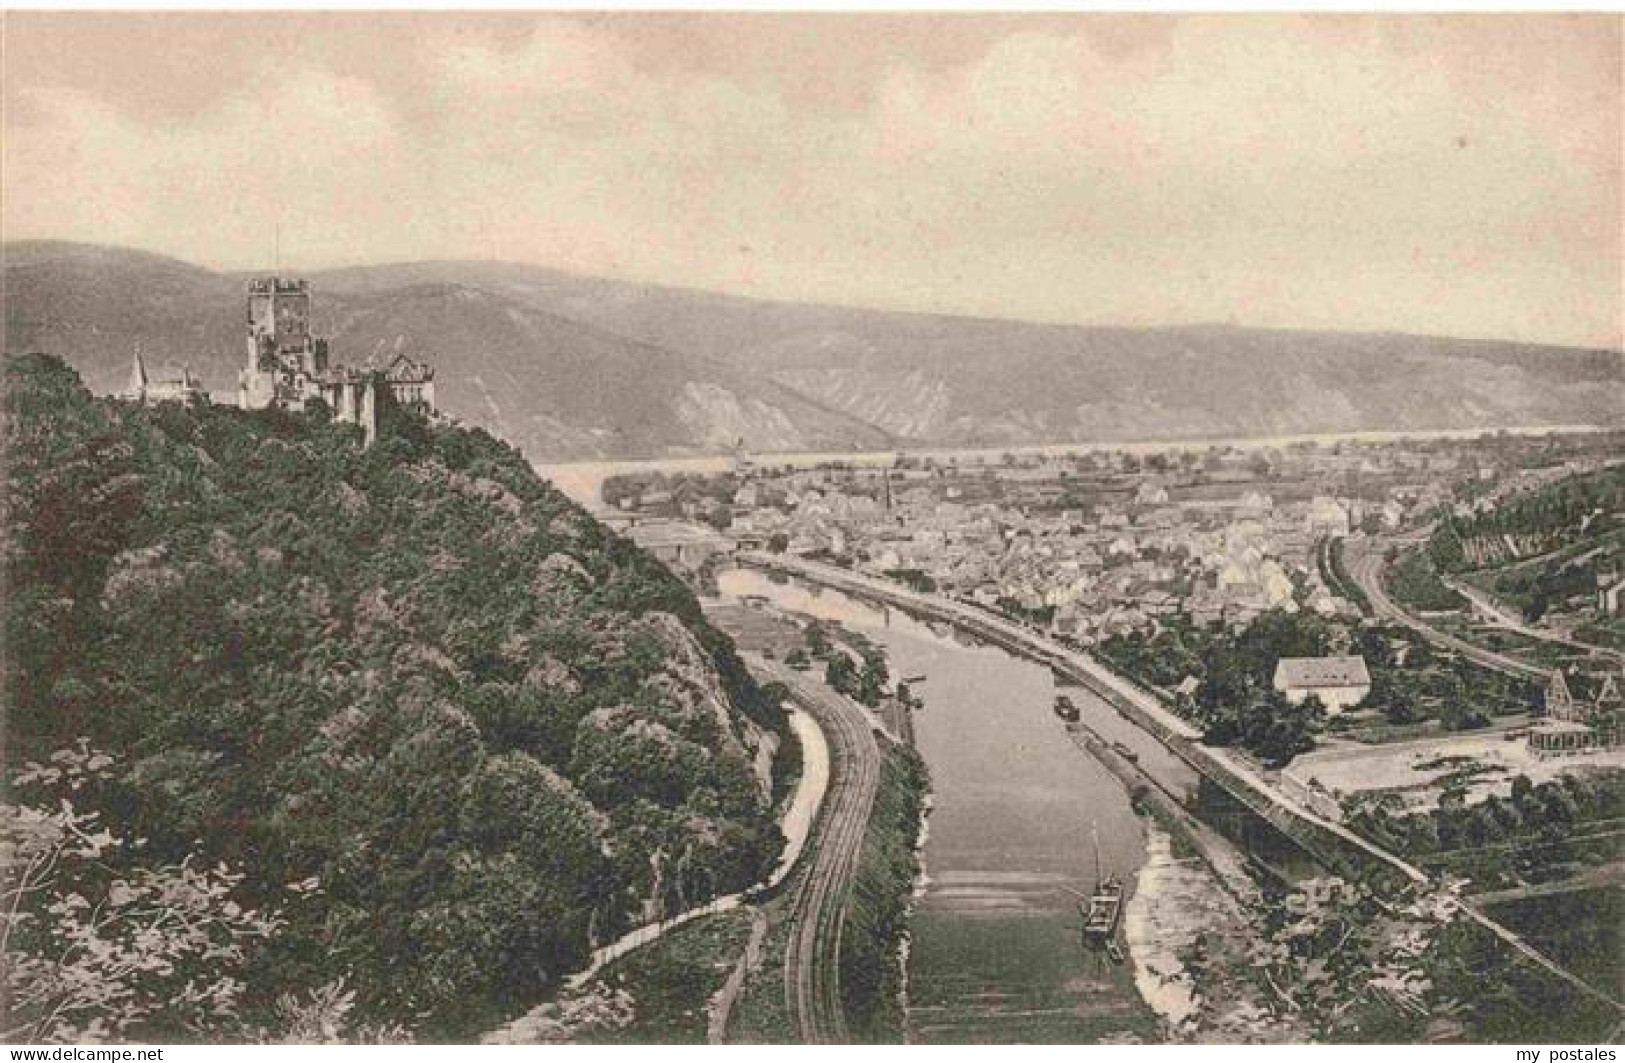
1101, 911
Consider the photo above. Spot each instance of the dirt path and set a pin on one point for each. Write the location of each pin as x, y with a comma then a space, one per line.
716, 1031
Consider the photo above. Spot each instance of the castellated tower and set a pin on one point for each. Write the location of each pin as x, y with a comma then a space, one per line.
283, 356
288, 367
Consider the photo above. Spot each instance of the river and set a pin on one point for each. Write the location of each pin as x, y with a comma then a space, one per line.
995, 954
583, 480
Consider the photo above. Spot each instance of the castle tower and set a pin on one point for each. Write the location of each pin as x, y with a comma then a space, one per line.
287, 366
283, 357
279, 311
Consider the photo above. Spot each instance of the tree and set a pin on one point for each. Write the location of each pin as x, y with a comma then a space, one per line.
1284, 730
872, 680
840, 674
1419, 657
1456, 712
1373, 645
97, 943
1351, 962
397, 671
818, 643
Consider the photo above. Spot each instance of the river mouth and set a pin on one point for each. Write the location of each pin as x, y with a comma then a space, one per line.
1017, 809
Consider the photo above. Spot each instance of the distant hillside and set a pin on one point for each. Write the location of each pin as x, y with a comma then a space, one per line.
689, 370
483, 733
555, 387
976, 380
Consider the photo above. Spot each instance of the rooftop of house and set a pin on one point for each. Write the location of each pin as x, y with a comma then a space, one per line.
672, 533
1309, 673
1600, 688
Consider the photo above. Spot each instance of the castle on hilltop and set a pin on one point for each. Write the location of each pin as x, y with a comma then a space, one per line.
288, 366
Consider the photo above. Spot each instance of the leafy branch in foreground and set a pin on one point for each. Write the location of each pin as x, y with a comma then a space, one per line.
94, 944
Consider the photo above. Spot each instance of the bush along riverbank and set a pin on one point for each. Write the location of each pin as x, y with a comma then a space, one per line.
877, 920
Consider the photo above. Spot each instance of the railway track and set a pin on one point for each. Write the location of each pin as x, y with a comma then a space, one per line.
1366, 570
812, 969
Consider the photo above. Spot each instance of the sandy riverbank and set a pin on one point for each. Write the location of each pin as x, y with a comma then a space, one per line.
1174, 900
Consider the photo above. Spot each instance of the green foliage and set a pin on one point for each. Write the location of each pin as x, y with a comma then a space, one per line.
1512, 835
1587, 505
1337, 577
99, 943
1042, 616
841, 674
1536, 589
1414, 582
913, 578
870, 970
414, 673
865, 683
1236, 703
669, 983
1352, 961
818, 643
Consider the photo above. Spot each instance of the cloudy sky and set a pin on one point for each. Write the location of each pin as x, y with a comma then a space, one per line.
1446, 175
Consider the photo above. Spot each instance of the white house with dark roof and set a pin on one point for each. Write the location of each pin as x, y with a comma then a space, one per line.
1339, 682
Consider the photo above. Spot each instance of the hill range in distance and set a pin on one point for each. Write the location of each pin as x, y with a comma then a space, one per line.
568, 367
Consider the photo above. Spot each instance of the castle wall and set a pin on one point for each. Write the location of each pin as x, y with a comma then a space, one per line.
367, 413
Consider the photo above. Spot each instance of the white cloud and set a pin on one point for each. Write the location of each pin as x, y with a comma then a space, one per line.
1279, 172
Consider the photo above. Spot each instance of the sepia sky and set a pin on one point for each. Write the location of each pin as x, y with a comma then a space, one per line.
1453, 175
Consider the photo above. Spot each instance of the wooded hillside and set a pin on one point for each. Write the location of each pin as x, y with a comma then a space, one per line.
470, 728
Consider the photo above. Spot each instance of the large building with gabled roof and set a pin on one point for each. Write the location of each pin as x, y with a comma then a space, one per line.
1339, 682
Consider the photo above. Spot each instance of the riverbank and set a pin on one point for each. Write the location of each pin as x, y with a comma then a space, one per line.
1176, 898
583, 480
993, 953
872, 935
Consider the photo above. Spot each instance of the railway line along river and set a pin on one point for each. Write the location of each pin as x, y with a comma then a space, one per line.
995, 953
